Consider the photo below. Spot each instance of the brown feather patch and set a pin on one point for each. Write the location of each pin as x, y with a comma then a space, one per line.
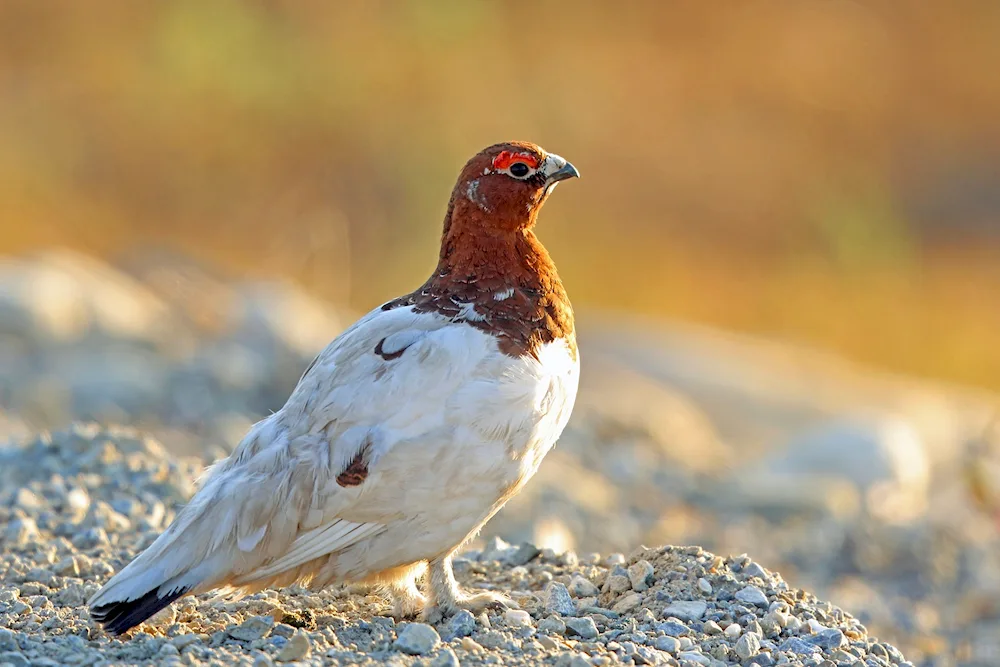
388, 356
356, 472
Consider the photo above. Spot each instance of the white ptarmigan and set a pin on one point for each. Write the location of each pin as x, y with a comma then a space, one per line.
404, 436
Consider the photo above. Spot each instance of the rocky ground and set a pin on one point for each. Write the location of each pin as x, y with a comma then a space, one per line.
78, 505
875, 492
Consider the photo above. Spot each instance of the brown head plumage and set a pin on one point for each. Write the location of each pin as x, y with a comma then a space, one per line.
491, 260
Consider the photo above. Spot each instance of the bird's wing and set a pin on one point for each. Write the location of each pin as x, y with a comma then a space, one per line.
290, 491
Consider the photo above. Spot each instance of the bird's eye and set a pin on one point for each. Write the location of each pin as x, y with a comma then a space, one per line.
519, 170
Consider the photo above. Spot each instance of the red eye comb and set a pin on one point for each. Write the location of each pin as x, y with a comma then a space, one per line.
507, 158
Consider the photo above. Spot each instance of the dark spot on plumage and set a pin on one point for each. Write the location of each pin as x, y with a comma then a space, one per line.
388, 356
356, 471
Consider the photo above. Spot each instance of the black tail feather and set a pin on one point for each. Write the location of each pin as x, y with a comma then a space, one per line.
119, 617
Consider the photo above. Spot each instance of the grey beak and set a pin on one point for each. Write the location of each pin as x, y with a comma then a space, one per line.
558, 169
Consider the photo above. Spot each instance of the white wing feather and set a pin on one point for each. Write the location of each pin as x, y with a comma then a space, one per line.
274, 504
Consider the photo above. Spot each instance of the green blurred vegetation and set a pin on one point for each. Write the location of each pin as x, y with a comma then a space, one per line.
820, 171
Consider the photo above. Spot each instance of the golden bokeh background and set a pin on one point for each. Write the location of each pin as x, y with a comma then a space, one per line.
827, 172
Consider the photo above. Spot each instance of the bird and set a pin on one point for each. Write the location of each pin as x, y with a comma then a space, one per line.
403, 437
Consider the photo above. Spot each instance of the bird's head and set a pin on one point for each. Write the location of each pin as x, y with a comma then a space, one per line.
502, 188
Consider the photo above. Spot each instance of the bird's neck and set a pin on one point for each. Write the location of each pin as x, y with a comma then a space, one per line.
504, 284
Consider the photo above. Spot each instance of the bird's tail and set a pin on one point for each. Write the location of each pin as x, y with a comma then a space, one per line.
159, 576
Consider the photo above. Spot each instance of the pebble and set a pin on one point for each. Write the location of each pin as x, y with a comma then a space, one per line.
296, 648
552, 625
733, 631
828, 639
517, 618
798, 646
446, 658
618, 583
471, 645
252, 628
20, 532
417, 639
627, 603
687, 610
558, 600
524, 554
583, 626
582, 588
462, 624
752, 595
695, 656
748, 645
675, 628
711, 628
640, 575
668, 644
704, 586
14, 659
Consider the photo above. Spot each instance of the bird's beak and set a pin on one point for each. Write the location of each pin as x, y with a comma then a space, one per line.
558, 169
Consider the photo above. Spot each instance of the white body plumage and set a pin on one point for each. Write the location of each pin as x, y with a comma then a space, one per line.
448, 428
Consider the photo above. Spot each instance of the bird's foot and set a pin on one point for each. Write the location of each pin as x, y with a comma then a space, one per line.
475, 603
407, 605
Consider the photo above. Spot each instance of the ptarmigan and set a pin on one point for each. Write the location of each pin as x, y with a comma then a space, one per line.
404, 436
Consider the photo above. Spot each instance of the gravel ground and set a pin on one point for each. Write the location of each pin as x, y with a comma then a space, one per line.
79, 504
881, 494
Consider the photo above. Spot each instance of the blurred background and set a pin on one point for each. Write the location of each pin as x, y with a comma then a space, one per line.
784, 253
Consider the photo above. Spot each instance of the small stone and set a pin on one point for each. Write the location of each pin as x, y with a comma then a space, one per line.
761, 660
553, 625
704, 586
471, 645
695, 656
748, 646
26, 499
627, 603
68, 567
558, 600
517, 618
798, 646
167, 651
828, 639
618, 584
776, 617
755, 570
733, 631
524, 554
752, 595
582, 588
640, 575
686, 610
20, 532
547, 642
296, 648
583, 626
262, 660
461, 624
14, 659
446, 658
252, 628
668, 644
711, 628
417, 639
675, 628
180, 641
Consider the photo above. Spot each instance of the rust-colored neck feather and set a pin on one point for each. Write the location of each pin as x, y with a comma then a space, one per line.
495, 275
